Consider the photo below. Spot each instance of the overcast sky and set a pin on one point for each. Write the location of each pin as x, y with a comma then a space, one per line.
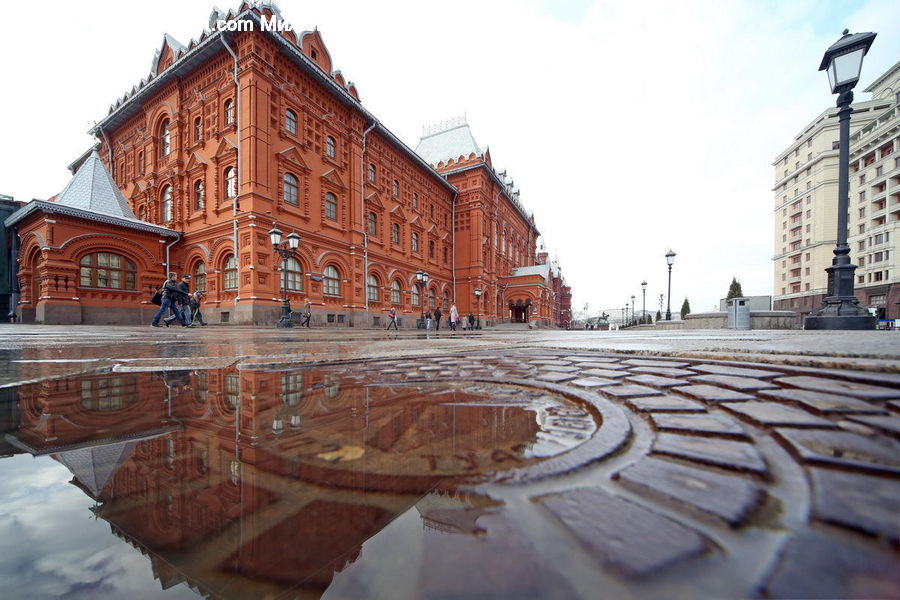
630, 127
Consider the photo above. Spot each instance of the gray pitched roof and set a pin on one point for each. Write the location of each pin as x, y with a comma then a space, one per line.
93, 189
542, 270
450, 143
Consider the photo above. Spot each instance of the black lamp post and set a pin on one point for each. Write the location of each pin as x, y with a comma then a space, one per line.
422, 278
670, 259
625, 316
286, 252
633, 316
644, 309
478, 308
841, 310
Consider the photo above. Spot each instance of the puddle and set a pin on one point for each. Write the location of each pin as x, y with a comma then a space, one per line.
243, 483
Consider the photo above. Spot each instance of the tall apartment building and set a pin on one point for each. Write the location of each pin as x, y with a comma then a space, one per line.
875, 199
806, 186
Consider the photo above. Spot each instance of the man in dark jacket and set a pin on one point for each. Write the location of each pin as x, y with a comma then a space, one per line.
437, 318
170, 294
182, 304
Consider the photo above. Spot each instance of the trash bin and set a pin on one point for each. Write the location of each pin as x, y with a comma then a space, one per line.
739, 313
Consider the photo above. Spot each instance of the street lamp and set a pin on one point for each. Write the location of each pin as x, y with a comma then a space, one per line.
644, 310
841, 310
670, 259
422, 278
478, 308
633, 317
286, 252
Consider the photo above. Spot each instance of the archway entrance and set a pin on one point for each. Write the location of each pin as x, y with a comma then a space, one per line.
519, 310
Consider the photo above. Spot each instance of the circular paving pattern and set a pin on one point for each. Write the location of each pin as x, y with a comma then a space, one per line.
736, 479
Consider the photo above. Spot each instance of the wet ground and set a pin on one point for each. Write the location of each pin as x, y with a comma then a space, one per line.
250, 463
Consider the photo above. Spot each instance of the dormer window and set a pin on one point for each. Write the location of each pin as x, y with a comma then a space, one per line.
313, 54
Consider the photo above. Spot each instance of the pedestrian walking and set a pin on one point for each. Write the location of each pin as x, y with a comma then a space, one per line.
454, 316
437, 318
428, 320
170, 292
194, 305
471, 321
392, 318
182, 310
306, 314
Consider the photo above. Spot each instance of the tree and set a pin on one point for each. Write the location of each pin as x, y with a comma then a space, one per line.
658, 316
685, 308
734, 290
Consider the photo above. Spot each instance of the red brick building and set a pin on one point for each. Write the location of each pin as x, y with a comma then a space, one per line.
238, 132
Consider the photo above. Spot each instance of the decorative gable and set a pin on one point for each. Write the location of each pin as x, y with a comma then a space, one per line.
225, 150
373, 201
293, 158
195, 163
312, 45
332, 177
399, 213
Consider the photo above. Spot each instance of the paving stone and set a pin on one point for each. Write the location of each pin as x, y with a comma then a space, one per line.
591, 382
721, 453
728, 497
843, 448
626, 538
864, 502
894, 405
888, 423
736, 371
665, 404
656, 381
817, 565
711, 393
555, 363
744, 384
629, 391
600, 365
771, 413
588, 359
640, 362
708, 424
664, 371
604, 373
555, 377
822, 402
558, 368
839, 386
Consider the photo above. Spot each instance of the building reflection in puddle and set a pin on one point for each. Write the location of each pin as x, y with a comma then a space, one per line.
251, 483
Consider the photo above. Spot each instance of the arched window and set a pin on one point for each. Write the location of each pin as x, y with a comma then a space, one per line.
330, 206
140, 163
107, 270
414, 295
373, 224
372, 173
165, 212
430, 248
293, 274
142, 213
330, 147
199, 195
415, 242
446, 255
396, 292
290, 189
198, 129
290, 121
395, 234
231, 278
395, 189
165, 138
200, 277
372, 288
446, 300
431, 298
415, 202
230, 182
332, 281
229, 112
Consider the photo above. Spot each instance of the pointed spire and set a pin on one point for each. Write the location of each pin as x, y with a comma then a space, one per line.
93, 189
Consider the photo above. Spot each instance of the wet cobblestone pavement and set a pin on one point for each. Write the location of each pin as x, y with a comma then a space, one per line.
640, 473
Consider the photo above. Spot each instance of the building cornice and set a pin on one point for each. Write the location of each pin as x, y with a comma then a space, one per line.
61, 209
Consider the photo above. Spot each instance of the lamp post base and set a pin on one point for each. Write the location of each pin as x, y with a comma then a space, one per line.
840, 314
285, 320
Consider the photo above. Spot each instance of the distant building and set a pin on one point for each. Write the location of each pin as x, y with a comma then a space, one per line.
806, 184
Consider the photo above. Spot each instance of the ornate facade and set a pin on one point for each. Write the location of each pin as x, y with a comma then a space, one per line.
242, 131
